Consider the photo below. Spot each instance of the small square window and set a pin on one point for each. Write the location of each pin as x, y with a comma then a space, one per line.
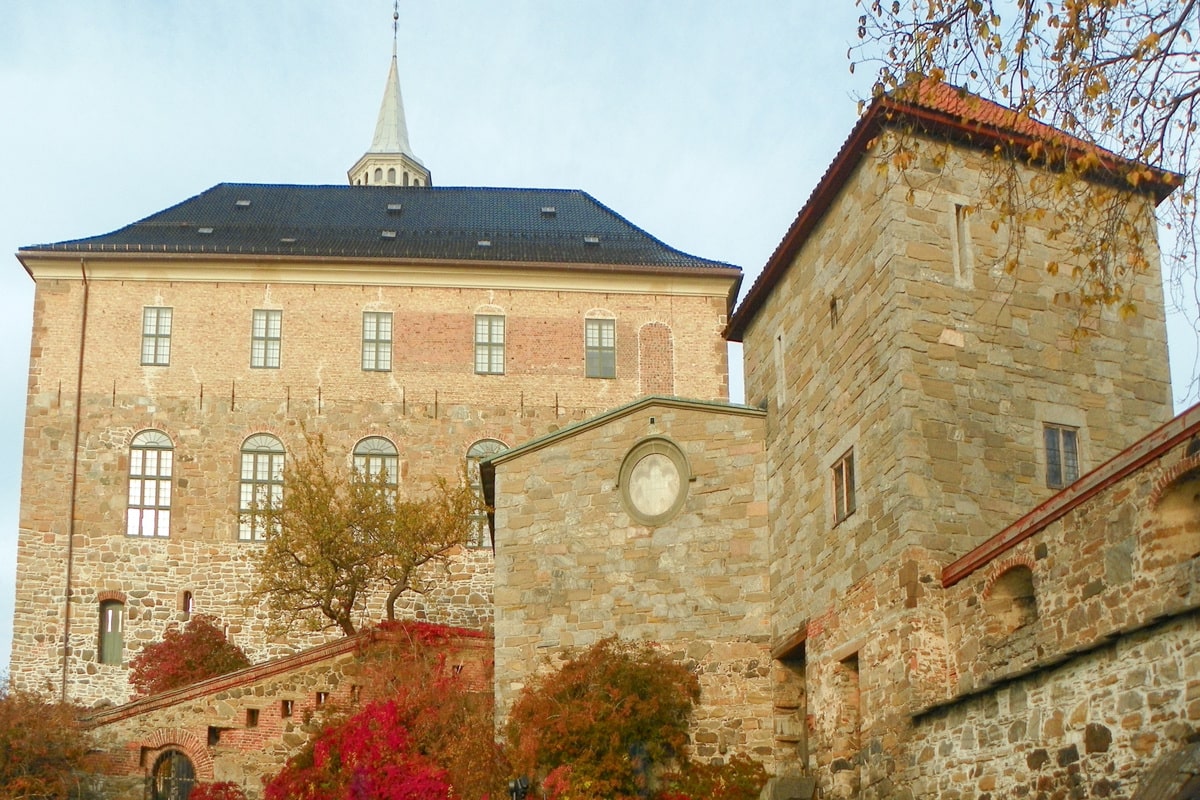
265, 338
1062, 455
251, 717
377, 341
843, 487
489, 344
600, 348
156, 336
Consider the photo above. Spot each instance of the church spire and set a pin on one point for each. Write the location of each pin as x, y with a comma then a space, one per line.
390, 159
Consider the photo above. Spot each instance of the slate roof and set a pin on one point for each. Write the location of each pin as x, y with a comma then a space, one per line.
438, 223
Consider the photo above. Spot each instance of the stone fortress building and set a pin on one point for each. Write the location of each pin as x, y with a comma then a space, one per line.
945, 549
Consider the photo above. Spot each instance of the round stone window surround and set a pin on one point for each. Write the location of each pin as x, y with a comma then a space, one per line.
654, 480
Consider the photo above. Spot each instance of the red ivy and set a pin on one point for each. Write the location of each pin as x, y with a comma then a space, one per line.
224, 790
183, 657
369, 755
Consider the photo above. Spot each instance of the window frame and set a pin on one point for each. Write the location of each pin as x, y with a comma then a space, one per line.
379, 348
1061, 449
600, 357
479, 535
256, 479
842, 487
141, 447
373, 454
266, 345
156, 335
489, 344
110, 646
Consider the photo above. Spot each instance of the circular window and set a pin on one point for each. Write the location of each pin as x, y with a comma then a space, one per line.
654, 480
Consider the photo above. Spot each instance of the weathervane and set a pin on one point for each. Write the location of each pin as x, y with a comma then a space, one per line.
395, 23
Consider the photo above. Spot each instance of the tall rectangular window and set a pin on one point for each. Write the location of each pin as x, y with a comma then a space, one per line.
266, 329
1062, 455
150, 460
843, 487
489, 344
377, 341
111, 639
600, 348
156, 336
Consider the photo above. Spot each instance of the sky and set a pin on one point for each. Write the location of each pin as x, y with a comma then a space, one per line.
705, 122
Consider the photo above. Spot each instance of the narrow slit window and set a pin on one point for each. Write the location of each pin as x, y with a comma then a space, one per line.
843, 487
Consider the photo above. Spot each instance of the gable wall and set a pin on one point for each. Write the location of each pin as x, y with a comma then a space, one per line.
574, 567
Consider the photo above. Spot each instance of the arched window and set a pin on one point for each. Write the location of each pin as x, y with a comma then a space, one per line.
187, 604
1011, 602
379, 174
477, 452
173, 777
262, 485
150, 460
391, 175
1174, 536
375, 455
112, 644
406, 177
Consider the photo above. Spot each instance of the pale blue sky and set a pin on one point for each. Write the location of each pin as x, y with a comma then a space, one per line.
705, 122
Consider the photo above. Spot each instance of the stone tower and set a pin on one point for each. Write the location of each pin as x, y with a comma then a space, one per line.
920, 397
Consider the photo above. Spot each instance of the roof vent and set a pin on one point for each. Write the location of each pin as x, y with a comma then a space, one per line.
591, 241
288, 240
204, 230
387, 234
242, 204
485, 242
549, 211
395, 208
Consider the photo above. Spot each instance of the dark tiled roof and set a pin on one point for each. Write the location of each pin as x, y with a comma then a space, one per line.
520, 225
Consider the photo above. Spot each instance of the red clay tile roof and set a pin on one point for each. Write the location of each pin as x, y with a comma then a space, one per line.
938, 109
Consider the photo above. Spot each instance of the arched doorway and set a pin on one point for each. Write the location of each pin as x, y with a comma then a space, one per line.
173, 777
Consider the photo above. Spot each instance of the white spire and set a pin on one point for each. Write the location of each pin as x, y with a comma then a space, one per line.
390, 158
391, 131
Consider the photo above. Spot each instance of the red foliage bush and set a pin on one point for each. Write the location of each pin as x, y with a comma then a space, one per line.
198, 651
369, 755
609, 715
741, 778
224, 790
42, 746
423, 732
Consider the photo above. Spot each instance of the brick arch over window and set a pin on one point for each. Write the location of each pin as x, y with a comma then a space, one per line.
1010, 600
110, 594
656, 359
1172, 535
189, 743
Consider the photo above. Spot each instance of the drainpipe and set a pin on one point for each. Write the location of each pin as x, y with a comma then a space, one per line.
66, 651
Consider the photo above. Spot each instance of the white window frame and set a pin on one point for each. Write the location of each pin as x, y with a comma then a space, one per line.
156, 335
489, 344
261, 485
600, 348
266, 338
151, 460
377, 341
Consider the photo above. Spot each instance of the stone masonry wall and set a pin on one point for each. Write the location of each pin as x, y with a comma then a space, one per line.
211, 723
938, 376
1101, 676
209, 400
573, 566
897, 336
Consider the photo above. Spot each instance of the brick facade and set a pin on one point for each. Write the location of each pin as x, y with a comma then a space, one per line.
209, 400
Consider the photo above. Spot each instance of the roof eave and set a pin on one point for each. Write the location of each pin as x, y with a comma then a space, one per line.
882, 113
